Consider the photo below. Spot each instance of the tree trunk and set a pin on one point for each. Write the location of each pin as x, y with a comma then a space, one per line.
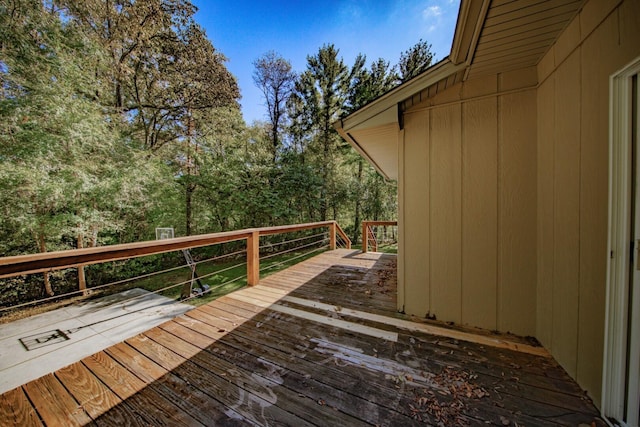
189, 188
356, 220
82, 283
42, 245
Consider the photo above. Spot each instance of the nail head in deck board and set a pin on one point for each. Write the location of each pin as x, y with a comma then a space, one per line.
54, 404
16, 410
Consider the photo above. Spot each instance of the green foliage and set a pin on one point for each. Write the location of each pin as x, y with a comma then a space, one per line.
415, 60
117, 117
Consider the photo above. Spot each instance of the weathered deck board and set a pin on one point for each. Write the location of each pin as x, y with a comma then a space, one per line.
92, 394
15, 409
54, 404
279, 326
305, 347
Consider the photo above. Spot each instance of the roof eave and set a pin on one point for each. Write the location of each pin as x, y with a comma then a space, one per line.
439, 71
468, 26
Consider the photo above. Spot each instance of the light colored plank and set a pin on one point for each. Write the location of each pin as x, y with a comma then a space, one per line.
479, 213
122, 382
446, 213
349, 326
15, 410
54, 404
92, 394
422, 327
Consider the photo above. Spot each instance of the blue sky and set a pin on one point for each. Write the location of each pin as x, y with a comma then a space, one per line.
244, 30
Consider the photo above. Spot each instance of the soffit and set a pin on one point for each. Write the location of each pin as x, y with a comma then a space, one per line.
381, 146
517, 33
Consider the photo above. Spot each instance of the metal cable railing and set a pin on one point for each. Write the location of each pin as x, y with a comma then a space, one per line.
61, 261
378, 234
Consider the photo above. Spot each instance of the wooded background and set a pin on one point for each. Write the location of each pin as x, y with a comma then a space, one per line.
119, 116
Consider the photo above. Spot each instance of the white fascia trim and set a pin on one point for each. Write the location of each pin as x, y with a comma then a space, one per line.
440, 71
614, 369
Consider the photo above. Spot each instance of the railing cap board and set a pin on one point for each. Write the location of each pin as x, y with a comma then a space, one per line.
370, 223
47, 261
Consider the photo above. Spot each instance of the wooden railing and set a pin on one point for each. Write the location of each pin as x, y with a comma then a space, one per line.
49, 261
368, 234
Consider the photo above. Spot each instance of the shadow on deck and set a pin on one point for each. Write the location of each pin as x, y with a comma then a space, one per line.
317, 344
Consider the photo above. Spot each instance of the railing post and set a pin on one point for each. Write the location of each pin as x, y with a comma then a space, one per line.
332, 236
82, 281
365, 236
253, 258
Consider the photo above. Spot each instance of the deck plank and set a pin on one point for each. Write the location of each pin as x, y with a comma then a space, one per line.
148, 405
269, 386
397, 394
314, 383
54, 403
294, 350
228, 384
94, 397
287, 331
16, 410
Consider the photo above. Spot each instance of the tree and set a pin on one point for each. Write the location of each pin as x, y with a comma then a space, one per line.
369, 84
160, 65
366, 85
61, 157
275, 78
320, 97
415, 60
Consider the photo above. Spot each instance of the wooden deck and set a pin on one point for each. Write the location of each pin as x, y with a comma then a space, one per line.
317, 344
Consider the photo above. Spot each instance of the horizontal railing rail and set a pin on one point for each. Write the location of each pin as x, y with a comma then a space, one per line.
50, 261
368, 234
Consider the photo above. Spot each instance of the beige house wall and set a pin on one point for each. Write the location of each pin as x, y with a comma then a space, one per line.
503, 194
468, 204
572, 185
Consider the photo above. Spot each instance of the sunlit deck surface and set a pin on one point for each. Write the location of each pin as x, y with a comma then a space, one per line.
317, 344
